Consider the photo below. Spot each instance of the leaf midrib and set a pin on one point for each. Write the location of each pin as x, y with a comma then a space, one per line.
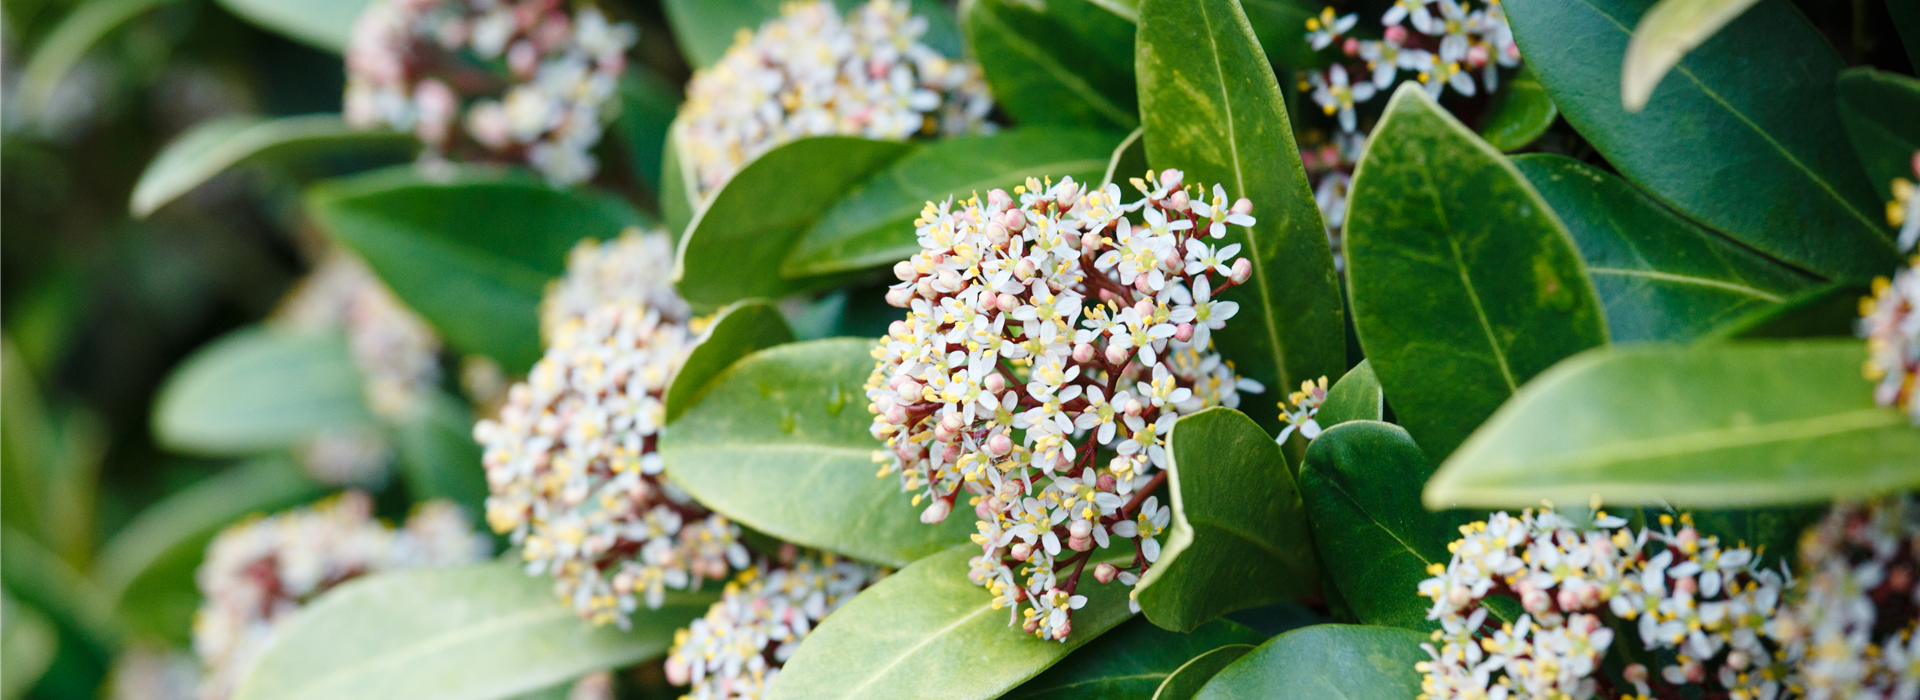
1690, 280
910, 651
451, 638
1699, 442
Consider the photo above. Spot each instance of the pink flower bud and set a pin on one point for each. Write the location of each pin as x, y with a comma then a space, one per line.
1350, 47
1014, 220
1143, 285
924, 287
996, 383
1179, 201
1032, 626
1144, 307
998, 200
1104, 573
987, 299
1635, 673
1117, 355
1172, 179
1739, 660
999, 445
937, 511
1023, 270
984, 510
1106, 482
1243, 206
911, 391
1686, 585
997, 234
1477, 56
1021, 551
904, 271
1183, 332
1083, 353
1007, 302
1242, 269
1080, 528
1090, 240
897, 329
1063, 630
897, 415
1079, 544
522, 59
677, 671
1134, 407
1397, 34
900, 297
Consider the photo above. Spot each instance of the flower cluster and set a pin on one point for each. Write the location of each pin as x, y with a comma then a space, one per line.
631, 269
810, 73
259, 572
396, 351
528, 80
1306, 406
764, 613
1702, 605
571, 460
1852, 633
1890, 319
1329, 164
143, 672
1449, 41
1049, 345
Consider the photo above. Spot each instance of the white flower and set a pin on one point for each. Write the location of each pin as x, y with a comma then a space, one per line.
766, 611
1334, 94
1322, 31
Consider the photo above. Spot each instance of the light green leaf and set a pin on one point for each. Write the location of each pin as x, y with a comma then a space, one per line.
873, 224
217, 146
1213, 110
1666, 33
780, 443
1659, 276
259, 389
705, 29
1375, 539
1186, 681
1356, 396
1465, 285
1239, 536
146, 569
67, 43
472, 633
1060, 62
1326, 662
739, 330
36, 576
28, 643
27, 449
927, 627
1879, 109
438, 456
1519, 113
735, 245
1766, 157
1129, 157
1130, 661
323, 24
679, 192
473, 252
1729, 425
1826, 311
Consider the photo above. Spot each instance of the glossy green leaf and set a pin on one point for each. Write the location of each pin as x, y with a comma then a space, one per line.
1882, 114
1281, 27
927, 627
1129, 157
1825, 311
1326, 662
1375, 539
69, 41
1239, 535
322, 24
36, 576
1719, 425
217, 146
471, 633
147, 568
705, 29
648, 105
1356, 396
1213, 110
26, 446
1519, 113
679, 192
1666, 33
737, 331
1659, 276
472, 253
1059, 62
1766, 159
1186, 681
438, 456
259, 389
735, 245
780, 443
873, 224
28, 643
1465, 285
1130, 661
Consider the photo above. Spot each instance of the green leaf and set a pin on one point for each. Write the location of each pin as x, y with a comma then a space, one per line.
28, 643
873, 224
258, 389
928, 627
1375, 539
1906, 22
1666, 33
438, 456
1519, 113
1659, 276
323, 24
1465, 285
472, 633
1186, 681
735, 245
679, 193
737, 331
1720, 425
147, 569
67, 43
780, 443
1130, 661
647, 108
1356, 396
1060, 62
1129, 157
1878, 110
217, 146
472, 253
27, 449
1281, 27
36, 576
1766, 158
1331, 662
1239, 536
1213, 110
705, 29
1826, 311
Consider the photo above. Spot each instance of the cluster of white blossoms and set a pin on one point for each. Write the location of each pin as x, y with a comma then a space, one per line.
1890, 319
571, 459
811, 73
397, 353
1450, 40
737, 649
1851, 634
1049, 346
1702, 606
528, 80
257, 573
144, 672
1303, 416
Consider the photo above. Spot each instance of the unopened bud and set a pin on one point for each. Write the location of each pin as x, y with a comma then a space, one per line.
1013, 220
1179, 201
937, 511
1104, 573
911, 391
1083, 353
900, 297
997, 234
1023, 270
1063, 630
1021, 551
1090, 240
1183, 332
1243, 206
1397, 34
1116, 355
1134, 407
1079, 544
904, 270
1242, 269
995, 383
1350, 47
998, 200
1477, 56
1080, 528
999, 445
1007, 302
987, 299
1106, 482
